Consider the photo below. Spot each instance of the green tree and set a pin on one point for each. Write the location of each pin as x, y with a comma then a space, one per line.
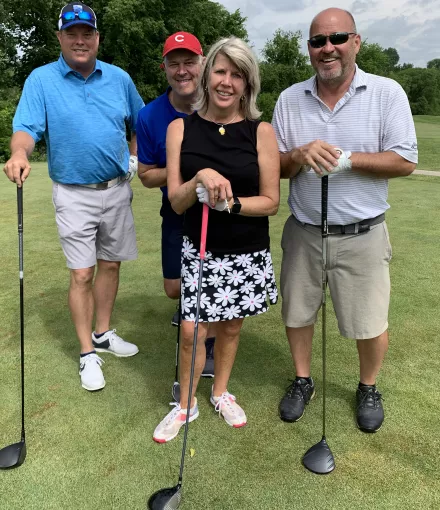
433, 64
372, 58
422, 87
393, 57
283, 65
132, 33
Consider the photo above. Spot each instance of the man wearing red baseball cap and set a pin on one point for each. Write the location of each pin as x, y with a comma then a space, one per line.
183, 58
182, 40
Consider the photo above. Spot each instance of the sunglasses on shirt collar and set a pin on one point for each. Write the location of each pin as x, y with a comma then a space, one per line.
319, 41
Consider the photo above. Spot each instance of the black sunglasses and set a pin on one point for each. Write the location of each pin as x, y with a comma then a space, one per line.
319, 41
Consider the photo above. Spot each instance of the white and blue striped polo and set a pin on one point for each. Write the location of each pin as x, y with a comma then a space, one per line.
373, 116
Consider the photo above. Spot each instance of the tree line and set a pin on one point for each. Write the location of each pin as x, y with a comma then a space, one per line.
132, 33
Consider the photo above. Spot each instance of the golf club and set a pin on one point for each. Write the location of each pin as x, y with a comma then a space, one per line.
319, 458
176, 386
13, 455
170, 498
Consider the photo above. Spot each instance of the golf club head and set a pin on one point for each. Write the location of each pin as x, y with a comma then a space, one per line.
166, 499
176, 392
319, 458
13, 455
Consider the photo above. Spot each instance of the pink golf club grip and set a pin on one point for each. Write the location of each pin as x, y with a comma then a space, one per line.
204, 231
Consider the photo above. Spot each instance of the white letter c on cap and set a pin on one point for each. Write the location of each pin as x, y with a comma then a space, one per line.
179, 38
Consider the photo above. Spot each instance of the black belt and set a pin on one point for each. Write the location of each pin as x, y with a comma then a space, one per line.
353, 228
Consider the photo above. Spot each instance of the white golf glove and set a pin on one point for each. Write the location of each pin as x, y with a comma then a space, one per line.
203, 197
344, 163
132, 168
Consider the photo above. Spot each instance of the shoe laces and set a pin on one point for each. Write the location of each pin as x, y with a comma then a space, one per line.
173, 413
226, 399
370, 397
296, 389
115, 338
92, 357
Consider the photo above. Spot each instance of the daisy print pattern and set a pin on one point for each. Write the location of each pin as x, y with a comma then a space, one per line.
234, 286
188, 249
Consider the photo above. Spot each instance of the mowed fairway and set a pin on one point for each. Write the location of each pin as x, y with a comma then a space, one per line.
95, 451
428, 138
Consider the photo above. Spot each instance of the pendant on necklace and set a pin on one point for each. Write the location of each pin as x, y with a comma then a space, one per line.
222, 130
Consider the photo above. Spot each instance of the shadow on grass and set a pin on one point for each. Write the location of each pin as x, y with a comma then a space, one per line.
263, 362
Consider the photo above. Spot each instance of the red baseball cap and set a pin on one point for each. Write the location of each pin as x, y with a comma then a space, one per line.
182, 40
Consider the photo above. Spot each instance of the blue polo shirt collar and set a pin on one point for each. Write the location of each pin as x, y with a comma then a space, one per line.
66, 69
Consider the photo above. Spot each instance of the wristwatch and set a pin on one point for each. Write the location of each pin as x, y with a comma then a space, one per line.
236, 208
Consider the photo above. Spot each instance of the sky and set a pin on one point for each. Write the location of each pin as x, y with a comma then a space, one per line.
412, 27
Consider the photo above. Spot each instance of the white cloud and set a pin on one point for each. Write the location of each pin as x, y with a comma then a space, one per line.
411, 28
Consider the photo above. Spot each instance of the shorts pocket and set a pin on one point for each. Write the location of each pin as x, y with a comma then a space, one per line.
55, 189
130, 192
389, 249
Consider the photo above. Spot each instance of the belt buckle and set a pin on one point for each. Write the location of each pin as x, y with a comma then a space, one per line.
102, 185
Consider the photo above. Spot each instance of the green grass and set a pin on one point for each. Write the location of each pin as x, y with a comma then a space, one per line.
94, 451
428, 139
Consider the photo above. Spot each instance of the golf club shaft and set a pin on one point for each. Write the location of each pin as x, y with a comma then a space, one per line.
196, 330
176, 378
324, 232
20, 264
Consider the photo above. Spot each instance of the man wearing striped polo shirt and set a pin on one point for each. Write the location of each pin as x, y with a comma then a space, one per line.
369, 118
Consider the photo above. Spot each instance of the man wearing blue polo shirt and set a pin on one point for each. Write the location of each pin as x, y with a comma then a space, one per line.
183, 58
82, 106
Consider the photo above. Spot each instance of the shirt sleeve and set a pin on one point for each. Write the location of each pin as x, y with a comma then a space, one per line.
145, 144
30, 115
399, 134
135, 104
278, 125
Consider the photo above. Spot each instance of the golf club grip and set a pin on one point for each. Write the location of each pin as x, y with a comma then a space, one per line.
324, 204
20, 228
204, 232
20, 202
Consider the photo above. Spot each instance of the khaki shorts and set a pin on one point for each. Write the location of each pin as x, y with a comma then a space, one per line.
95, 224
357, 273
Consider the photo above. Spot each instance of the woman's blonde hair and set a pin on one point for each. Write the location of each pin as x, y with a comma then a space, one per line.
244, 59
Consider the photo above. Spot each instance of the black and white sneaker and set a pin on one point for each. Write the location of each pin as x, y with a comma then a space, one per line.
113, 343
369, 409
208, 370
297, 396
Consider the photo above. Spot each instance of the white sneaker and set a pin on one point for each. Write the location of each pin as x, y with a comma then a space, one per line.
169, 427
111, 342
92, 378
227, 407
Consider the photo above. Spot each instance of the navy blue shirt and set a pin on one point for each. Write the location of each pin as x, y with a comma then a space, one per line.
152, 125
83, 120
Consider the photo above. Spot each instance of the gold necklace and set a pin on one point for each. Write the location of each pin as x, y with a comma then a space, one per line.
222, 129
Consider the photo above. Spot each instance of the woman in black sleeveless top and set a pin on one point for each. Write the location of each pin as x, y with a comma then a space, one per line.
223, 156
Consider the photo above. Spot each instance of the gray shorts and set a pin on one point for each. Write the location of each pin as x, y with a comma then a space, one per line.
357, 273
95, 224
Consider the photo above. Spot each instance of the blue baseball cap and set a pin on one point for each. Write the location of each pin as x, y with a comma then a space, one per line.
76, 13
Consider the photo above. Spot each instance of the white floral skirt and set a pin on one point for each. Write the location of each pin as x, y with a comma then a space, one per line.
233, 286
